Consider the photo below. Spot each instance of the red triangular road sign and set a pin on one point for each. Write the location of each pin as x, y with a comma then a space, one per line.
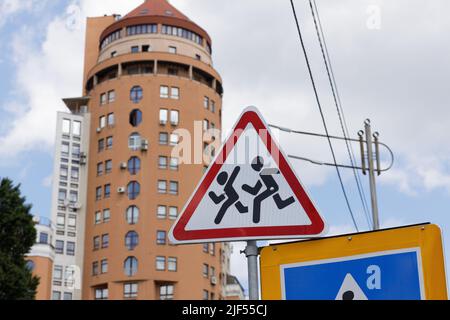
237, 201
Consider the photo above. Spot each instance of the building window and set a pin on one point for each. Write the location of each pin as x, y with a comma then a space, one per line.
160, 263
65, 149
103, 99
58, 272
74, 174
76, 128
134, 165
172, 264
107, 191
99, 169
63, 173
173, 213
164, 92
106, 215
135, 117
56, 295
130, 290
95, 268
108, 166
205, 270
162, 186
102, 122
172, 49
73, 196
162, 212
213, 106
174, 117
141, 29
98, 193
111, 96
104, 266
133, 189
136, 94
96, 243
130, 266
109, 143
162, 162
205, 125
175, 93
134, 141
132, 214
134, 49
205, 295
105, 241
212, 249
166, 292
101, 294
174, 164
131, 240
70, 248
72, 221
163, 116
61, 221
98, 217
66, 126
206, 247
101, 145
174, 139
198, 57
59, 246
206, 102
161, 237
163, 138
43, 238
111, 119
173, 187
30, 265
67, 296
62, 195
113, 54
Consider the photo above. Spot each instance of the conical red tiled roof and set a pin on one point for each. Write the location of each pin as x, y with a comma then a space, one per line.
156, 8
156, 11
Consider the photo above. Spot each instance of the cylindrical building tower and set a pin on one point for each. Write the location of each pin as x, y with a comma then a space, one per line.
146, 75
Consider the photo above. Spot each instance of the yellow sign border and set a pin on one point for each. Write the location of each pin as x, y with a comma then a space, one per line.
425, 236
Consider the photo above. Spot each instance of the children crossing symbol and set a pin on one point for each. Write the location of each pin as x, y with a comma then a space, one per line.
249, 192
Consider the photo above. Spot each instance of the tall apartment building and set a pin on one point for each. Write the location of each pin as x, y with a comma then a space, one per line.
117, 186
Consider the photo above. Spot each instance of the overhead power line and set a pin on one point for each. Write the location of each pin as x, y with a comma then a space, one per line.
338, 104
322, 115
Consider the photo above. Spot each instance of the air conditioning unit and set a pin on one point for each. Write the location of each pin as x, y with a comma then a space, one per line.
75, 205
121, 190
144, 145
123, 166
99, 130
83, 158
213, 280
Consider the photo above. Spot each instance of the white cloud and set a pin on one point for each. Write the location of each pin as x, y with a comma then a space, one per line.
9, 8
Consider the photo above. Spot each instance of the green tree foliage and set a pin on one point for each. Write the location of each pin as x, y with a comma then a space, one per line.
17, 236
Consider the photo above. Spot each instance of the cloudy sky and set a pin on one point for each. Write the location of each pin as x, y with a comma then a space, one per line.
390, 59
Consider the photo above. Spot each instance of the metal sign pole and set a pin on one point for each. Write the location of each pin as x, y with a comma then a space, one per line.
251, 252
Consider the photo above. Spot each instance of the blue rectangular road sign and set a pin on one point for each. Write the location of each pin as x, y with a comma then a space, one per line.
386, 275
